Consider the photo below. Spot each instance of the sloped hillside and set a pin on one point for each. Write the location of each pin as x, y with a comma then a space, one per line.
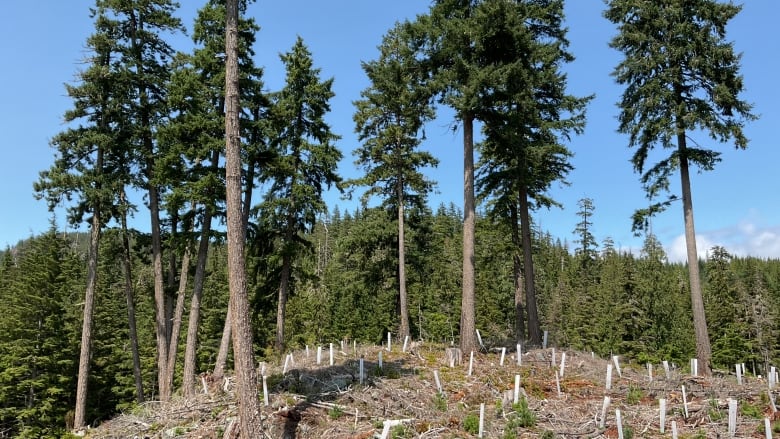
402, 399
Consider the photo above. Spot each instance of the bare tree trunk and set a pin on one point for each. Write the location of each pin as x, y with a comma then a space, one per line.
224, 346
169, 297
246, 379
703, 349
161, 324
178, 313
403, 331
468, 336
190, 350
534, 329
130, 297
284, 286
86, 327
517, 270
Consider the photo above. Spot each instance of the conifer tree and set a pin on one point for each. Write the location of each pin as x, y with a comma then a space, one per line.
681, 76
197, 138
39, 333
140, 29
447, 45
527, 116
91, 166
585, 238
389, 118
246, 377
305, 164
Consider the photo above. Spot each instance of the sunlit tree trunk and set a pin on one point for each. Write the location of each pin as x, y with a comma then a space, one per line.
130, 298
703, 349
246, 379
403, 330
89, 307
468, 336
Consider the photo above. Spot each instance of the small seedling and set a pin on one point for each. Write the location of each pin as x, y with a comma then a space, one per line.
335, 412
471, 423
440, 402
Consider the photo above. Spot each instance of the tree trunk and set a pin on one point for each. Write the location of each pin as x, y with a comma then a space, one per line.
169, 296
284, 286
161, 324
224, 346
517, 271
130, 297
403, 330
246, 379
703, 349
190, 350
534, 330
468, 336
285, 275
178, 313
89, 307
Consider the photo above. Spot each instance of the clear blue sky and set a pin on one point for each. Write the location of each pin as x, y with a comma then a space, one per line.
42, 47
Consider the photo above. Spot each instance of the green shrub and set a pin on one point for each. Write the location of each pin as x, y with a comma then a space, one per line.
471, 423
440, 402
524, 416
335, 412
750, 410
634, 395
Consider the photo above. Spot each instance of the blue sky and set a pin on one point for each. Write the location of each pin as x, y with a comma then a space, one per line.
735, 205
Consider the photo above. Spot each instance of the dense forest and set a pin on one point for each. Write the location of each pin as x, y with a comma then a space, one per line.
96, 322
346, 288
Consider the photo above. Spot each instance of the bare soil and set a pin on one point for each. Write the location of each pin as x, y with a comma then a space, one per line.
311, 400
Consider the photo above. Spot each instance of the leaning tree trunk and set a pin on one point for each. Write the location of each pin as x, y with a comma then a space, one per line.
246, 378
224, 346
86, 327
703, 349
534, 329
468, 336
130, 298
161, 324
190, 366
403, 330
178, 313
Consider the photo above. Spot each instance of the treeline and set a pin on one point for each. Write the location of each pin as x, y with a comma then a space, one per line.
346, 287
197, 133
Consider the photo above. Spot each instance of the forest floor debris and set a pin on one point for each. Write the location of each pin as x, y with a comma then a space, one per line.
401, 400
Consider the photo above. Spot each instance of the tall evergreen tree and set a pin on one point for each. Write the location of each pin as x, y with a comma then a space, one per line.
305, 165
39, 333
141, 28
91, 165
448, 47
527, 115
197, 134
246, 377
583, 230
681, 76
138, 30
388, 119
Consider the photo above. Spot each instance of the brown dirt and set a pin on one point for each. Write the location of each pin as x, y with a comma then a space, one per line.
323, 401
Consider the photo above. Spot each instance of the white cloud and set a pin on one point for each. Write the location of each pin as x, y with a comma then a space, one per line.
747, 238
